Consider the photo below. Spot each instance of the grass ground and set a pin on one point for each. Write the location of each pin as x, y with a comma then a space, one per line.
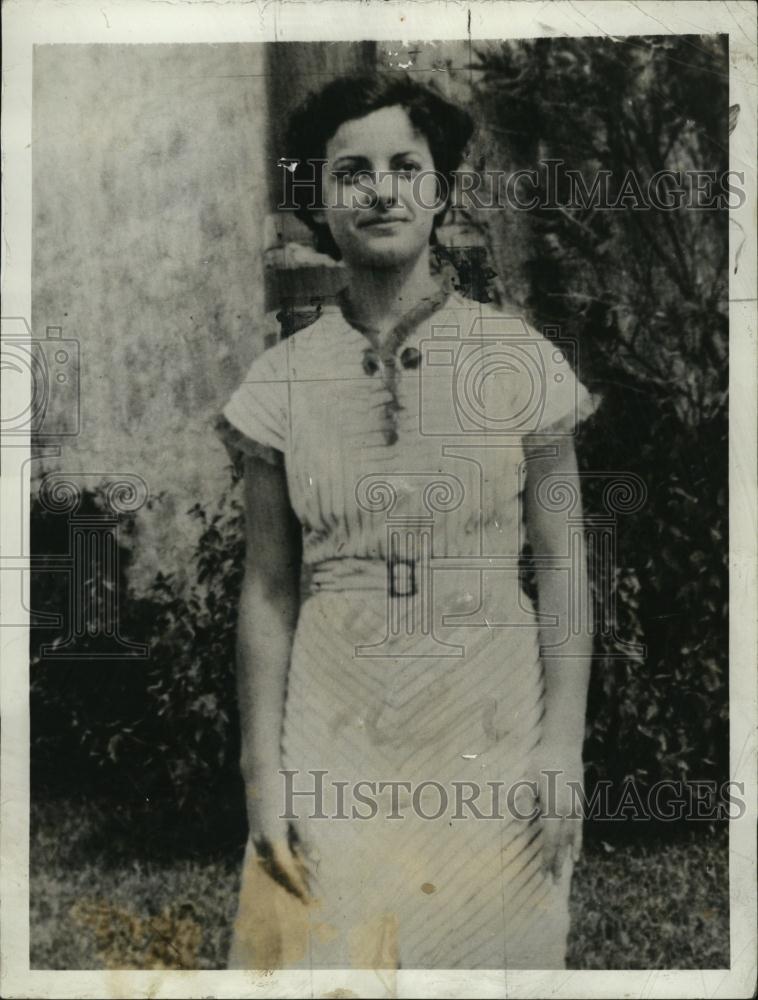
96, 903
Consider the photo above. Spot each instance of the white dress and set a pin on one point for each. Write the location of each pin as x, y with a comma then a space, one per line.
416, 657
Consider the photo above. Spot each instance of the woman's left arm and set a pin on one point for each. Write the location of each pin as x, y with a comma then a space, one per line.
565, 597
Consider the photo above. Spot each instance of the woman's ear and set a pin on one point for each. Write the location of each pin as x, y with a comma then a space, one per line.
319, 216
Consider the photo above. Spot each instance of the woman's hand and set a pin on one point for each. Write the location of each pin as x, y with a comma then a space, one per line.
277, 845
559, 777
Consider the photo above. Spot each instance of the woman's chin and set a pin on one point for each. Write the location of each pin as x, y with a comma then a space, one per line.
389, 256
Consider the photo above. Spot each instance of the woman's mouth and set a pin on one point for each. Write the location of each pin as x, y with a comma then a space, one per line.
383, 221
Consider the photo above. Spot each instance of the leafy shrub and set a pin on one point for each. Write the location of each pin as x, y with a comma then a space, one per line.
189, 727
70, 699
160, 729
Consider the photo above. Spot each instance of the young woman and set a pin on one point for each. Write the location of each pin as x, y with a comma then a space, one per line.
401, 723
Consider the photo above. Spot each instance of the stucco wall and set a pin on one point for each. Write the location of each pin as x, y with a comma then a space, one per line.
149, 195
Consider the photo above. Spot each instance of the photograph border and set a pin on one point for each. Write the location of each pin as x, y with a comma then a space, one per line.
44, 22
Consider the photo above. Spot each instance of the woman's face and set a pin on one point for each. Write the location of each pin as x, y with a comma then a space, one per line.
380, 190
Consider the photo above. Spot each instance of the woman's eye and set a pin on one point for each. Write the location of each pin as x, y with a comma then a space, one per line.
408, 167
352, 174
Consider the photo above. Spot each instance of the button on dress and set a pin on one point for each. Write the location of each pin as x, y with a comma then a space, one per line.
415, 693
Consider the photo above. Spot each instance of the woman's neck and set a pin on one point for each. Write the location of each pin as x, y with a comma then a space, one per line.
379, 297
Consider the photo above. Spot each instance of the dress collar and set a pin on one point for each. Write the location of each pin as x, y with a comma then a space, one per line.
382, 359
404, 326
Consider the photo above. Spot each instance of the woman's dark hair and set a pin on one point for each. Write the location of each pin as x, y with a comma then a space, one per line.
446, 127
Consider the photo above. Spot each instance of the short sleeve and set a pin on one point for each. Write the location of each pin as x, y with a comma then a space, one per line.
255, 420
565, 401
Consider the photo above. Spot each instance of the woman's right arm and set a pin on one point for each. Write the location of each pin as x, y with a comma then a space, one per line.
269, 605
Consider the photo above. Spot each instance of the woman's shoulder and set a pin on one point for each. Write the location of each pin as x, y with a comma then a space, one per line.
539, 368
474, 320
507, 313
303, 353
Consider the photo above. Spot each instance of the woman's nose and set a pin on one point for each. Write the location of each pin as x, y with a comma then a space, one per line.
385, 187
